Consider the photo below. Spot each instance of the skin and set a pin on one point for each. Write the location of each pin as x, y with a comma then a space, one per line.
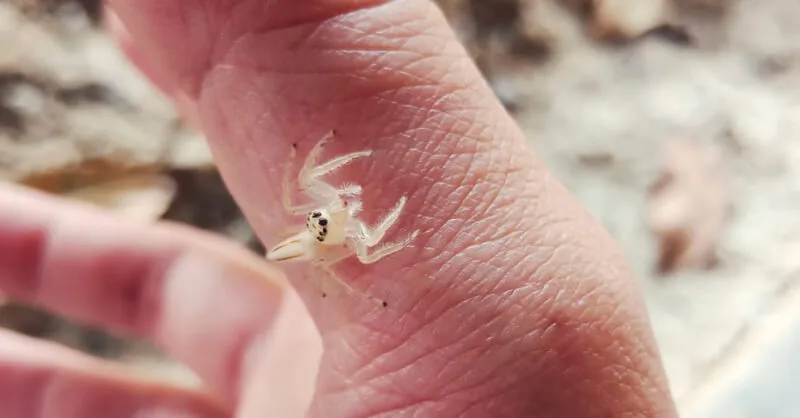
512, 301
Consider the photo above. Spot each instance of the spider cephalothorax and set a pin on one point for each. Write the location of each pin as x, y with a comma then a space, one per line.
331, 220
317, 224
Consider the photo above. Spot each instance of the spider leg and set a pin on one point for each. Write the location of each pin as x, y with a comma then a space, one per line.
368, 257
374, 235
289, 206
335, 163
327, 267
368, 237
354, 207
316, 189
323, 192
314, 154
311, 169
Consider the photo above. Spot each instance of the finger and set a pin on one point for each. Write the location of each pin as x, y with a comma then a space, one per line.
209, 303
511, 302
151, 69
41, 379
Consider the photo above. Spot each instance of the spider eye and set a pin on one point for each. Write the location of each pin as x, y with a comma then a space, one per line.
323, 222
316, 214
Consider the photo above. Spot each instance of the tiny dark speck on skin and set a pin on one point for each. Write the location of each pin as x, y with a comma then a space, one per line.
294, 145
385, 304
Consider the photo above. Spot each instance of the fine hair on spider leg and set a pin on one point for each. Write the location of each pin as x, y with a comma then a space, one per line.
326, 270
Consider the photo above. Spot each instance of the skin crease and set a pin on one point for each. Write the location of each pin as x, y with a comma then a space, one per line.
512, 301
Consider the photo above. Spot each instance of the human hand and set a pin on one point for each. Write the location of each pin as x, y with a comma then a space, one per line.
511, 302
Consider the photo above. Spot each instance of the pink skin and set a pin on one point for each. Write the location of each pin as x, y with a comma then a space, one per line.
512, 301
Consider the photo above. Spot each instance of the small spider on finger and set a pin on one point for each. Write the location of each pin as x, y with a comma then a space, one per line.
333, 231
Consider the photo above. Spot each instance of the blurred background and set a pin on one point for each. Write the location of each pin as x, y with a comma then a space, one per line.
676, 122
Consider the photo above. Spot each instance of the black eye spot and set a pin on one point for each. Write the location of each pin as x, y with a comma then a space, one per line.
316, 215
320, 239
323, 222
324, 231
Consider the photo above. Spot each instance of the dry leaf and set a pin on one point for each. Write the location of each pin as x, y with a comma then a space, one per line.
627, 18
144, 196
190, 150
688, 205
140, 192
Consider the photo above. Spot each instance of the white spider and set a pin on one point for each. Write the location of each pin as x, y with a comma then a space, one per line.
333, 231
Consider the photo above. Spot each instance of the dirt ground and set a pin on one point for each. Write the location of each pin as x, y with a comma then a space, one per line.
675, 123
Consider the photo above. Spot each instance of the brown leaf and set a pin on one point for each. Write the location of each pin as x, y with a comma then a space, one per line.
688, 205
141, 192
627, 19
145, 197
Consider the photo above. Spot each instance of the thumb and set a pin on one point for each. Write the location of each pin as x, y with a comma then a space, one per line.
510, 302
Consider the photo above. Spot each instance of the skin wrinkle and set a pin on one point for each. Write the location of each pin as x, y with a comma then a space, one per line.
237, 356
422, 330
190, 81
389, 352
406, 364
446, 94
449, 93
53, 265
398, 43
389, 53
48, 390
378, 58
348, 9
378, 359
446, 125
36, 290
476, 402
142, 296
473, 379
588, 352
30, 286
442, 396
28, 244
35, 409
443, 348
481, 381
235, 27
401, 31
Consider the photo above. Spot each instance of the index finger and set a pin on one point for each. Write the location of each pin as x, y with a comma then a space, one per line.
510, 290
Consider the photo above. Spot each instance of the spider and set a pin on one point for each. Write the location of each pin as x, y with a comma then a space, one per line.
333, 231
